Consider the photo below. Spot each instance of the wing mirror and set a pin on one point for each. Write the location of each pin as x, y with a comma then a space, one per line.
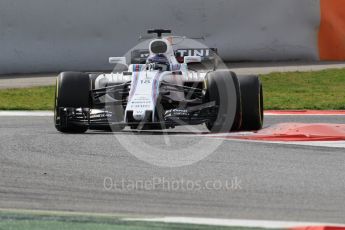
118, 60
192, 59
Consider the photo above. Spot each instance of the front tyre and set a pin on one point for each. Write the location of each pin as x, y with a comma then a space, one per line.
72, 92
222, 87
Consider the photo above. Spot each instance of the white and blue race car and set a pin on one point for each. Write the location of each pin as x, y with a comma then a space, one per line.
158, 90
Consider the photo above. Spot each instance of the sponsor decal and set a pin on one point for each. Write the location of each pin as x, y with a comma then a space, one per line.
140, 56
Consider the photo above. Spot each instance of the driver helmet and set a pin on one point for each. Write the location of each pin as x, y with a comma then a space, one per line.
158, 59
159, 62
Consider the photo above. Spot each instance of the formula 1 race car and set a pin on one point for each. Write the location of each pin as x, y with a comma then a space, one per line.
160, 92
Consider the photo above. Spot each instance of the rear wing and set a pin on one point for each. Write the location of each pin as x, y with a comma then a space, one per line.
206, 54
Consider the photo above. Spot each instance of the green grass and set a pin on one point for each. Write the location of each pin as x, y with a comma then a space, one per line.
37, 98
34, 221
296, 90
305, 90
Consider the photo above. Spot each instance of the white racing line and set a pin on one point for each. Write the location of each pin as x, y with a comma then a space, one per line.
234, 222
304, 114
26, 114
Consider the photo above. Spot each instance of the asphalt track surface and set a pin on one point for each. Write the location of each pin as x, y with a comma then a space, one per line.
43, 169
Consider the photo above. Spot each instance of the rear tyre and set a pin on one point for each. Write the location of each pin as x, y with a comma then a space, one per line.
223, 88
252, 103
72, 92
